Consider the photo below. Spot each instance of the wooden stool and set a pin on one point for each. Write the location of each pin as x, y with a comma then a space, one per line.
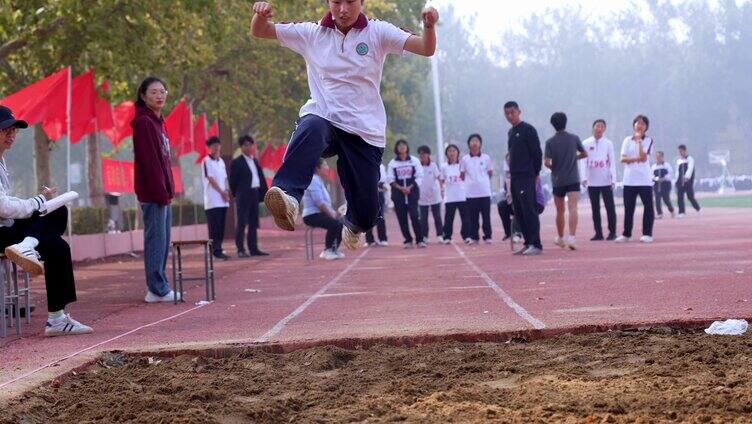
177, 271
12, 295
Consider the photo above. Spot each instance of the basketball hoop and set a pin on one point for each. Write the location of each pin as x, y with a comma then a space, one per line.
722, 159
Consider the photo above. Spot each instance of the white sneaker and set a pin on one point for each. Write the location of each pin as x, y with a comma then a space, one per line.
383, 243
349, 239
488, 241
283, 207
26, 257
422, 245
408, 245
646, 239
446, 241
321, 255
681, 216
340, 255
517, 239
659, 217
622, 239
169, 297
572, 243
468, 241
440, 239
65, 326
329, 255
560, 242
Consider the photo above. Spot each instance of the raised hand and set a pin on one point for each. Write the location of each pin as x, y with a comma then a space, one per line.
263, 9
430, 17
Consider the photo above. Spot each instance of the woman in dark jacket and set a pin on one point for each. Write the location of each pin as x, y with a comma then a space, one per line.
154, 185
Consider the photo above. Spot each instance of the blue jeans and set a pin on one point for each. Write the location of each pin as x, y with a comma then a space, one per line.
157, 225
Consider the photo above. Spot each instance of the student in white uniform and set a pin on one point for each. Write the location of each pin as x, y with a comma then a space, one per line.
638, 180
403, 174
344, 54
216, 195
477, 170
430, 194
380, 221
685, 181
662, 176
600, 178
454, 193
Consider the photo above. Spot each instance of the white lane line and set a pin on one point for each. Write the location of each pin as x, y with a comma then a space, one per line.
522, 312
278, 327
73, 355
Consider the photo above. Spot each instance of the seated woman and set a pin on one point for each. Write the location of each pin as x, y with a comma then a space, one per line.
319, 213
28, 237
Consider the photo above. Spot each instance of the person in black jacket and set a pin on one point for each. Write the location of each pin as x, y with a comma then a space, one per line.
248, 187
525, 161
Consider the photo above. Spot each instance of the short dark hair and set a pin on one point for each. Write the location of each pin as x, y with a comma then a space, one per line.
245, 139
600, 120
559, 121
644, 119
145, 86
424, 149
472, 136
213, 140
511, 104
397, 144
682, 147
446, 152
660, 152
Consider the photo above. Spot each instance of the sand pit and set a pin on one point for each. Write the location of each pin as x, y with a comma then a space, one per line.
655, 376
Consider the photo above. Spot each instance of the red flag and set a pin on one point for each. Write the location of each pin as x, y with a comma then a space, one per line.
34, 103
177, 177
105, 121
179, 125
123, 114
83, 109
117, 176
266, 157
279, 156
214, 130
200, 137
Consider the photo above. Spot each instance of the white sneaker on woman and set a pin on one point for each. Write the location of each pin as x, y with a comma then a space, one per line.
169, 297
622, 239
646, 239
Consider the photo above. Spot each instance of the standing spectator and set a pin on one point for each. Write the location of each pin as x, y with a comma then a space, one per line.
403, 174
685, 181
563, 151
248, 186
638, 180
454, 193
477, 170
319, 213
430, 194
662, 176
380, 220
154, 186
26, 237
216, 195
525, 161
600, 178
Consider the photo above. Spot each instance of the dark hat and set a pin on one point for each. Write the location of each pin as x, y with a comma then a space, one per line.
7, 119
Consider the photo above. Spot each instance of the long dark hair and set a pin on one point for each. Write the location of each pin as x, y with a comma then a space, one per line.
396, 148
446, 152
145, 86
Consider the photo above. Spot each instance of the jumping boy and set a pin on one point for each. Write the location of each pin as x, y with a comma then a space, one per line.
344, 54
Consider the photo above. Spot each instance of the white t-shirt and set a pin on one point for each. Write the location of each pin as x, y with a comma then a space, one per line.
401, 171
454, 187
477, 181
637, 173
600, 165
430, 189
344, 71
214, 168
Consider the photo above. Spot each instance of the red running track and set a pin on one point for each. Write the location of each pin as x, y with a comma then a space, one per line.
699, 269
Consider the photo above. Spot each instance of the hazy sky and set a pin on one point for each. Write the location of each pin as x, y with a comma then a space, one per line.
493, 16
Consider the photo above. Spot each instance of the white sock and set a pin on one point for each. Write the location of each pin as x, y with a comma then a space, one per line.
30, 242
56, 315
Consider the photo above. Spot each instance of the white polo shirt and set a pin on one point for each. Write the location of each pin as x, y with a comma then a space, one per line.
600, 165
344, 71
454, 187
430, 189
637, 174
477, 181
214, 168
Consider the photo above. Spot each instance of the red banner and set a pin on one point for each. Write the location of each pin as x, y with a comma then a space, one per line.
179, 125
83, 109
123, 115
34, 103
117, 176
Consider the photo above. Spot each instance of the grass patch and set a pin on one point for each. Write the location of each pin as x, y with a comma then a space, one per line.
727, 202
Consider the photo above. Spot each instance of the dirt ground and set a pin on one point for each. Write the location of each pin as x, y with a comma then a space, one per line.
655, 376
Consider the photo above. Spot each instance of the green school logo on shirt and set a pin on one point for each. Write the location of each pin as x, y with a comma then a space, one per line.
362, 49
